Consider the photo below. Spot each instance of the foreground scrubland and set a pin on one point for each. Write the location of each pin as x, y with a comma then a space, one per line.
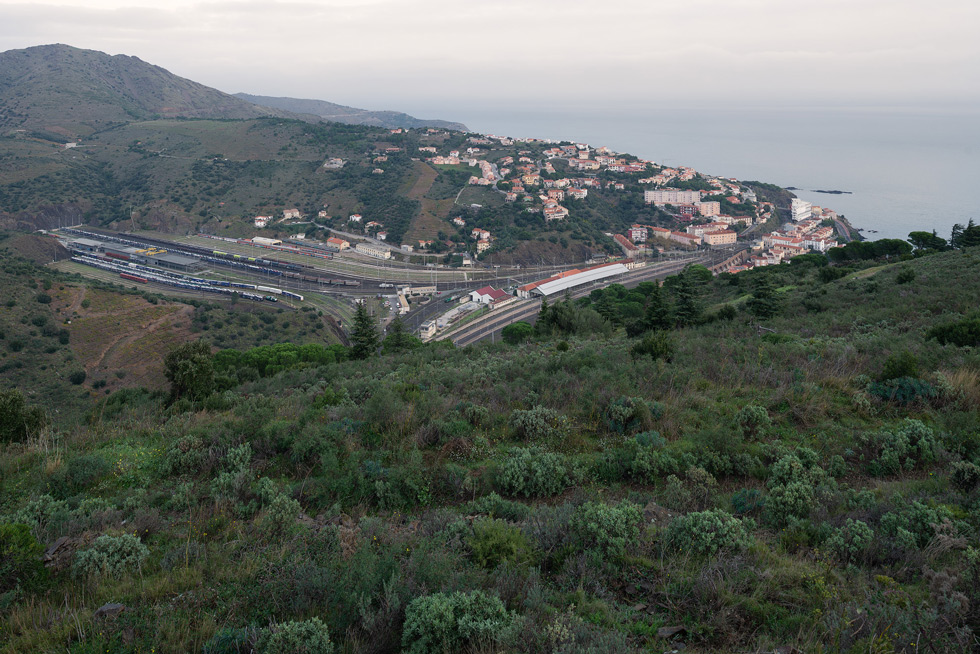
787, 458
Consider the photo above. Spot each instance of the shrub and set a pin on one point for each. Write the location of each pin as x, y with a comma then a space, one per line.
517, 332
707, 532
494, 541
234, 483
607, 529
651, 439
911, 524
190, 370
850, 541
539, 423
531, 472
303, 637
497, 507
232, 641
965, 476
753, 421
78, 474
905, 275
964, 333
445, 623
747, 500
111, 556
901, 448
281, 514
632, 414
17, 419
635, 460
45, 515
902, 364
657, 344
20, 562
903, 391
793, 500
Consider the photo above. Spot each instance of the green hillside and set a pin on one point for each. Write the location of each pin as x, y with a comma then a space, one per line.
782, 460
67, 340
71, 93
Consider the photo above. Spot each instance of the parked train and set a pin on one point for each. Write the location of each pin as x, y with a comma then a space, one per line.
144, 274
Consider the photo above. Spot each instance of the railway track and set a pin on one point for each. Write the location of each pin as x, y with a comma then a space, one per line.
492, 324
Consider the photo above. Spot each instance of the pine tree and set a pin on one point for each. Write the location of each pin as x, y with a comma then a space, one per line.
688, 289
658, 314
364, 337
398, 338
190, 370
544, 322
764, 303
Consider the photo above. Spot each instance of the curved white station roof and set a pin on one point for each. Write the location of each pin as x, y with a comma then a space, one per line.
559, 285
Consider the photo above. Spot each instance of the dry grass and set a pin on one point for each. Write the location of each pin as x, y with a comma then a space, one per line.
966, 384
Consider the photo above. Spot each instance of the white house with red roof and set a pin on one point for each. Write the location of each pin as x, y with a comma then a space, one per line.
489, 295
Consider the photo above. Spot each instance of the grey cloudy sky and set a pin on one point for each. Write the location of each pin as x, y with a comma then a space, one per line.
428, 55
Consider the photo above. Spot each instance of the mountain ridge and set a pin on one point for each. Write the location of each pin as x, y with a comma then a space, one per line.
349, 115
75, 92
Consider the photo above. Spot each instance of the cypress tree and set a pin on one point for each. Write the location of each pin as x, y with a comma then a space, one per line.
658, 314
364, 337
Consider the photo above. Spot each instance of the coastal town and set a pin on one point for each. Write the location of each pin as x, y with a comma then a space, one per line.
553, 181
639, 219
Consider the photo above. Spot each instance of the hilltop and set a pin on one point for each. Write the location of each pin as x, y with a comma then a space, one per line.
72, 93
349, 115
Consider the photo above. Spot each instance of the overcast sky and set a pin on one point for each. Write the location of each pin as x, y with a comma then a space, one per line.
431, 57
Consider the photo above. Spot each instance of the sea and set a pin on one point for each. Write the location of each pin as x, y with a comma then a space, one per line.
902, 169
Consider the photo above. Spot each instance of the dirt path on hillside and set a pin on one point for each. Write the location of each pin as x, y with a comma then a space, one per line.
142, 332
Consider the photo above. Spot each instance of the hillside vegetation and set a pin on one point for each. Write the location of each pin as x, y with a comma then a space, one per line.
65, 340
786, 458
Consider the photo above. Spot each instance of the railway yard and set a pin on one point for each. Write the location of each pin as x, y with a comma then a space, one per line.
302, 274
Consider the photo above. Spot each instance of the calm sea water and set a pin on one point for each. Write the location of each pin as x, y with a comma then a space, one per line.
906, 170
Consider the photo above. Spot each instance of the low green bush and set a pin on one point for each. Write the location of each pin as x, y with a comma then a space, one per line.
497, 507
21, 569
17, 419
494, 541
78, 474
610, 530
963, 333
539, 424
901, 448
626, 415
903, 391
910, 524
532, 472
965, 476
444, 623
657, 344
707, 532
747, 500
753, 421
111, 556
296, 637
849, 542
